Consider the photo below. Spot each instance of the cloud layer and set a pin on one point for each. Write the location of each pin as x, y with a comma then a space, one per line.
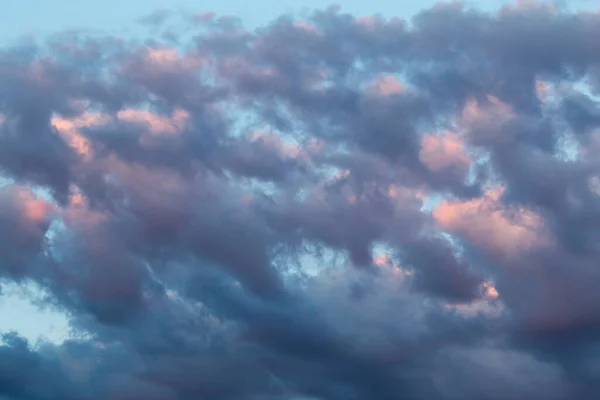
333, 207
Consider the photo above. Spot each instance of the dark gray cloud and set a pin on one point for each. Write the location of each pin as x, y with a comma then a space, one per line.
327, 208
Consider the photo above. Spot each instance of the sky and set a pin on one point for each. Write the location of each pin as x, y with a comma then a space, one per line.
49, 16
390, 201
41, 17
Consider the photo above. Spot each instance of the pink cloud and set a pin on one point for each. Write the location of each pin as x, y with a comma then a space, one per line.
406, 197
542, 90
155, 123
385, 262
308, 27
486, 222
475, 112
169, 59
33, 208
386, 85
69, 130
24, 220
442, 151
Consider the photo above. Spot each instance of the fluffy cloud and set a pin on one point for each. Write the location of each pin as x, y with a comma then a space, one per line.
327, 208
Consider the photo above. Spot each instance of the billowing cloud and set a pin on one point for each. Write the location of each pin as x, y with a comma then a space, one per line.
332, 207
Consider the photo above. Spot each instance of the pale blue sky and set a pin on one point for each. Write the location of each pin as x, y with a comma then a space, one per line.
40, 17
24, 17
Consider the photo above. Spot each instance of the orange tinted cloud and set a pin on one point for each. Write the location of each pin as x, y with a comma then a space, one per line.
305, 26
386, 85
35, 209
155, 123
167, 58
385, 261
474, 111
486, 222
69, 130
404, 196
442, 151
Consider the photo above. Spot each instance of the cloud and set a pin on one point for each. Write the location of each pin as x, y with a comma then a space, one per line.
336, 207
25, 221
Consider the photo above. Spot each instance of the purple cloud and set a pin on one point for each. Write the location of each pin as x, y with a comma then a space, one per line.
327, 208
